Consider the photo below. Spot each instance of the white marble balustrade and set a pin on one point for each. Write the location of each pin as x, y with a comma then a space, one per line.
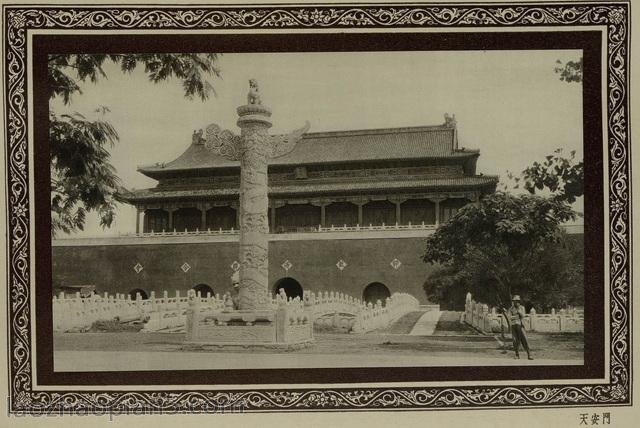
168, 314
489, 320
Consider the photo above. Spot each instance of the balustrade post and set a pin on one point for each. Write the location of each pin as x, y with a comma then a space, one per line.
165, 298
154, 305
532, 319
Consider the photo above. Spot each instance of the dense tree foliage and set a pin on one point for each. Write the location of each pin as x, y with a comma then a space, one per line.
497, 247
82, 177
559, 176
562, 176
571, 71
554, 279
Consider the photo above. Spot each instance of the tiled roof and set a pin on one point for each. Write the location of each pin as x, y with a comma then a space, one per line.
440, 184
336, 146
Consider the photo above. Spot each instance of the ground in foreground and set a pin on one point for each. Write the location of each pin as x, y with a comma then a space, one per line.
158, 351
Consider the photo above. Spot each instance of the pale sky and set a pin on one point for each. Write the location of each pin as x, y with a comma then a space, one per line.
509, 104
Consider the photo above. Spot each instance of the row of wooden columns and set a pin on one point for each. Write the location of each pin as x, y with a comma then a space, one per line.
360, 205
274, 206
170, 211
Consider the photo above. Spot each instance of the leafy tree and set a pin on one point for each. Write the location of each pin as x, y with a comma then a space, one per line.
562, 176
501, 239
82, 177
571, 71
554, 279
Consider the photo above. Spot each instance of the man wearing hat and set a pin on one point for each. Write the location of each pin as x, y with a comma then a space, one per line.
515, 315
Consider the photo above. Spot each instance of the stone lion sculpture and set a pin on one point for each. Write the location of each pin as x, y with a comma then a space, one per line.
253, 97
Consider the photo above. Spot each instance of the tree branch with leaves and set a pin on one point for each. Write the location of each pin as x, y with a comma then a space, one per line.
570, 71
82, 176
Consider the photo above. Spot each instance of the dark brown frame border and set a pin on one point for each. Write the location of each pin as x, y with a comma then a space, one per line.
589, 42
594, 337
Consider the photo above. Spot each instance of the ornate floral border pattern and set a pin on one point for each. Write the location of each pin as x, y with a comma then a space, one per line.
19, 20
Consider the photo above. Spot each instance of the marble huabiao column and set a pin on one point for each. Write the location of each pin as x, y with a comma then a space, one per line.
254, 204
253, 147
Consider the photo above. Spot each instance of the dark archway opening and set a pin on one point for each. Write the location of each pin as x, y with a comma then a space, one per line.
374, 292
290, 286
134, 294
203, 289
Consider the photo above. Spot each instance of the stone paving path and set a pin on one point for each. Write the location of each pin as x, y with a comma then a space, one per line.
449, 325
404, 324
427, 323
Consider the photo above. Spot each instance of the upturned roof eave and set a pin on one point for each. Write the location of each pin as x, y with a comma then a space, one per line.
281, 190
156, 172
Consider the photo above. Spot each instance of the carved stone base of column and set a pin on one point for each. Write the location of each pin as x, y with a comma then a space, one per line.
279, 328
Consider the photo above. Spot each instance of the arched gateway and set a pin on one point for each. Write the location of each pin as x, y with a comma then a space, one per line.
375, 291
290, 286
143, 294
204, 289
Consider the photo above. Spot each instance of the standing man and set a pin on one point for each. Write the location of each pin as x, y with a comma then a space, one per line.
515, 315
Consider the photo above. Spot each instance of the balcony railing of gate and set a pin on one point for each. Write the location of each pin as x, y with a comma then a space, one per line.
292, 229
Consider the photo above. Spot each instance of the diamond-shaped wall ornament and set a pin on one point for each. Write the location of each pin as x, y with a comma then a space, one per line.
395, 263
286, 265
185, 267
341, 264
235, 266
138, 267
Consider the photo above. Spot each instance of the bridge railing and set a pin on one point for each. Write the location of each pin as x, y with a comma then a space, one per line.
76, 313
168, 313
378, 316
490, 320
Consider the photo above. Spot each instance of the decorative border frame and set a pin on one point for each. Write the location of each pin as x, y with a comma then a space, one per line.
18, 20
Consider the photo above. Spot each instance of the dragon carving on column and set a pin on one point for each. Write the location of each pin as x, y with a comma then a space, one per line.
252, 148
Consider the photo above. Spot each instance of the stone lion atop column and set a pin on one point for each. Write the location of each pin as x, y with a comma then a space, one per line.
253, 97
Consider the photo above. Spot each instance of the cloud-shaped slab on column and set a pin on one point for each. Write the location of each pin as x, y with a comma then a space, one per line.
223, 142
285, 143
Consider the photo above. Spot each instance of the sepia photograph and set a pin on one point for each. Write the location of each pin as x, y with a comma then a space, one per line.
289, 208
429, 212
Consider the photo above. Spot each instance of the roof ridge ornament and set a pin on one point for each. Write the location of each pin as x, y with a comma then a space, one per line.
197, 138
450, 121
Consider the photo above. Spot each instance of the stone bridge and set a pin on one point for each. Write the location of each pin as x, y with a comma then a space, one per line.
328, 310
